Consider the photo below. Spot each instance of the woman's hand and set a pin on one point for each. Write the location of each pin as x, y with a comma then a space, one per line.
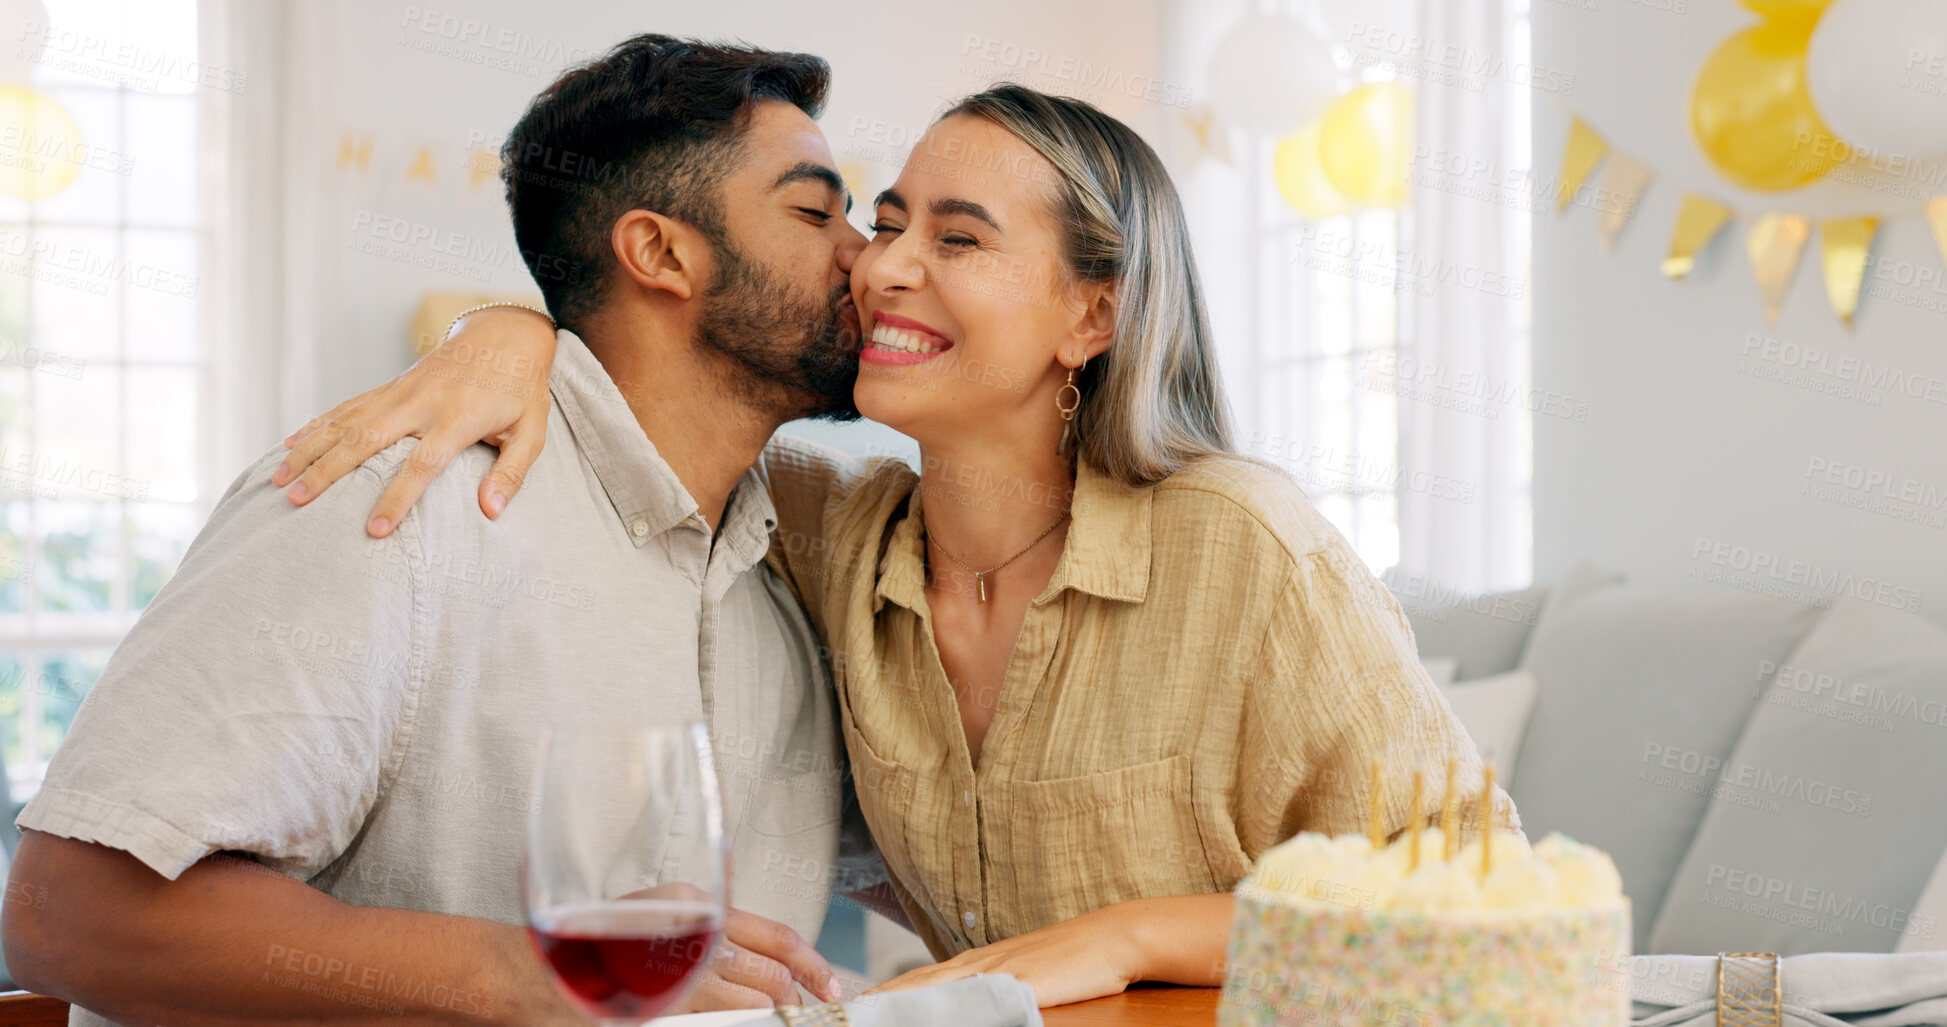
1087, 957
1177, 940
486, 383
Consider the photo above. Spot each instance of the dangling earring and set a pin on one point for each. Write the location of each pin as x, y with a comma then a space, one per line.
1068, 399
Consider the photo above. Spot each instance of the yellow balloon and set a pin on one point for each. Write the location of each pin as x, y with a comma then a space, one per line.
40, 145
1301, 177
1789, 10
1364, 141
1752, 115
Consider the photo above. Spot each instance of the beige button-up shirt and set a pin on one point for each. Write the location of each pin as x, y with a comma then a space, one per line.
1209, 671
362, 713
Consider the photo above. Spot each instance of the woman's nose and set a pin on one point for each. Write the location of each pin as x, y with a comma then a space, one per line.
892, 267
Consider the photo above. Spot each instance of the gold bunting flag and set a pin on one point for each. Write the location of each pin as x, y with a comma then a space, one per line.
1697, 224
1937, 217
1584, 152
1624, 179
1843, 249
1774, 244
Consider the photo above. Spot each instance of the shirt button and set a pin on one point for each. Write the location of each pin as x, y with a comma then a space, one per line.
966, 797
639, 529
968, 919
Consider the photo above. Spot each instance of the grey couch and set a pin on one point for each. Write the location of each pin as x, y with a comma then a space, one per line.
1765, 773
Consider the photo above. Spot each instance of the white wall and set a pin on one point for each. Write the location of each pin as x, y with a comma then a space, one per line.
361, 66
1691, 443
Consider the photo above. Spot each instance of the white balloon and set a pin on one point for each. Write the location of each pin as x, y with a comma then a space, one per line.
1271, 75
1877, 72
20, 48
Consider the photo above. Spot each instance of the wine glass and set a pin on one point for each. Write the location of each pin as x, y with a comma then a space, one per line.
626, 863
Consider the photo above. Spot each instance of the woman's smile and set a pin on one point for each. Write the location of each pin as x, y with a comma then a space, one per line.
902, 340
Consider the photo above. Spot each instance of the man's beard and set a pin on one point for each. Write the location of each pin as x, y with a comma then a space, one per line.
793, 356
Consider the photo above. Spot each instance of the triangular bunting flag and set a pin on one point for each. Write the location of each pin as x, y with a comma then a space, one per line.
1624, 179
1697, 223
1774, 244
1583, 153
1937, 217
1844, 246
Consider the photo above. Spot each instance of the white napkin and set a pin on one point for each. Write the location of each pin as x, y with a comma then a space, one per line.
1826, 989
990, 1000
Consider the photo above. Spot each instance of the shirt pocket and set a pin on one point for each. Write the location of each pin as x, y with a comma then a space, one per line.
1077, 844
787, 844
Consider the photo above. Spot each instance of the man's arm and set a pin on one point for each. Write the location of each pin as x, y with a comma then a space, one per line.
234, 942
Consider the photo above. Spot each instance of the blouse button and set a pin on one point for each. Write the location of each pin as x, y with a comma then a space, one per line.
968, 919
639, 528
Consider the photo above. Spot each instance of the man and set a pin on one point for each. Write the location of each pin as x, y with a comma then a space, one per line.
356, 715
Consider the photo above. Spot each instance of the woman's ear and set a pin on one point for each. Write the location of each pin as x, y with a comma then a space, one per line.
657, 252
1095, 327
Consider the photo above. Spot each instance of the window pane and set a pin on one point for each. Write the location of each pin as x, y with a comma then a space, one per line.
161, 295
76, 298
16, 559
95, 196
78, 554
162, 180
77, 440
161, 404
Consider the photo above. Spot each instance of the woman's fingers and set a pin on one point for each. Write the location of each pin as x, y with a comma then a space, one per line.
290, 441
518, 451
427, 461
340, 446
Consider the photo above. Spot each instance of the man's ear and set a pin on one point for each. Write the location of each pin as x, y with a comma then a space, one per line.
657, 252
1095, 321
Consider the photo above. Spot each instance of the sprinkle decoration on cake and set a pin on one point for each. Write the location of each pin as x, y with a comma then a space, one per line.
1426, 932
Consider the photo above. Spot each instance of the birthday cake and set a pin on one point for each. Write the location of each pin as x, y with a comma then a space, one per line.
1419, 933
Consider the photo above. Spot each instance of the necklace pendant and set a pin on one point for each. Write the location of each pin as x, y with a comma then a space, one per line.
980, 587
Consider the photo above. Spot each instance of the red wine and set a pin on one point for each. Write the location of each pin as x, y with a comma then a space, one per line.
626, 958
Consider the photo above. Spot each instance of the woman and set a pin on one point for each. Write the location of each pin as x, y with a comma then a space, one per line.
1090, 663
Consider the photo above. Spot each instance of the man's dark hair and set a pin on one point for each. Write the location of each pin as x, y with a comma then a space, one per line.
653, 124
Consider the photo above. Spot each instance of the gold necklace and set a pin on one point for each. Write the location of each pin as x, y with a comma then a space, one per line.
980, 577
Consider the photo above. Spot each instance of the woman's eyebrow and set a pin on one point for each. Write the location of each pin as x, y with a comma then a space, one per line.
941, 208
954, 205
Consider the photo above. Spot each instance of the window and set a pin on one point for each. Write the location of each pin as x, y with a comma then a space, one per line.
1380, 355
103, 377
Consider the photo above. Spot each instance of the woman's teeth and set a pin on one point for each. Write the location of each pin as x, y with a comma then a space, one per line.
888, 337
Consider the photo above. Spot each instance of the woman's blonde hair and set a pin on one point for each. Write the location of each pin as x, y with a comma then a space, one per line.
1154, 401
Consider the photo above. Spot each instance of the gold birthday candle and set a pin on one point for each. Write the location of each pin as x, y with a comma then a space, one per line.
1449, 818
1487, 823
1373, 830
1413, 850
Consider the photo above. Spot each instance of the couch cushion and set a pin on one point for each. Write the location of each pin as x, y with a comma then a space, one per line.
1828, 821
1495, 712
1484, 635
1931, 912
1635, 687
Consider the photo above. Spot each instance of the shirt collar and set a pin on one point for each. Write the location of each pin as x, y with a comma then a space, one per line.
1106, 555
647, 496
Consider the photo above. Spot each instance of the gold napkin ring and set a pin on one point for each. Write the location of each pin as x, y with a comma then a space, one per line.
831, 1014
1750, 989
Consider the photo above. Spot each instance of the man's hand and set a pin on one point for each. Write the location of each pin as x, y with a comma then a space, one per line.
755, 967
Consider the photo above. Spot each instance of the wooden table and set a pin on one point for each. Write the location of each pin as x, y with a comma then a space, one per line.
1140, 1006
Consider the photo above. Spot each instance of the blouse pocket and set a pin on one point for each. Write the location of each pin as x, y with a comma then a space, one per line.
1080, 843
